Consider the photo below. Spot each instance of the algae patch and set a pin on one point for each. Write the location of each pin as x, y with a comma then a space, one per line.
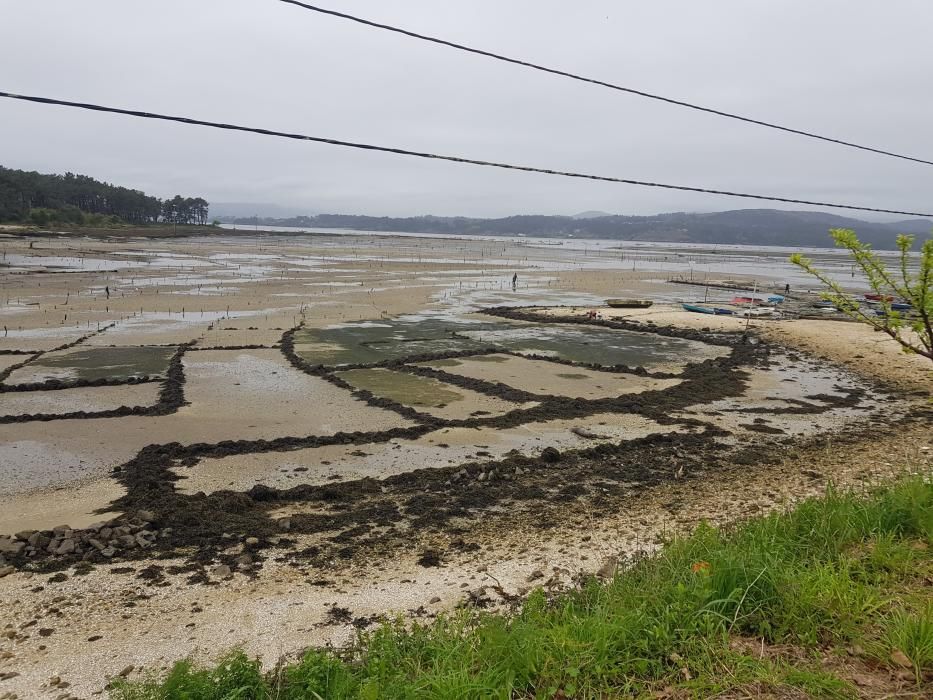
405, 388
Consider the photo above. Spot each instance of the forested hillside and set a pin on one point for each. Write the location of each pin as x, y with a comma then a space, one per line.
32, 197
740, 226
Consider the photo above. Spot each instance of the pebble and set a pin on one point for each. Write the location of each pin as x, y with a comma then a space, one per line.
222, 571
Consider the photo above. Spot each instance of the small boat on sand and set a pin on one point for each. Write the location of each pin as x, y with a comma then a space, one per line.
823, 305
879, 297
756, 311
698, 309
719, 311
901, 306
629, 303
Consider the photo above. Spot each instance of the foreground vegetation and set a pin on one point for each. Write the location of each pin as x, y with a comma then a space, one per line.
832, 599
913, 329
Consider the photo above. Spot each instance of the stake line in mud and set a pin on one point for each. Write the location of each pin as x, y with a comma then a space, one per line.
450, 158
601, 83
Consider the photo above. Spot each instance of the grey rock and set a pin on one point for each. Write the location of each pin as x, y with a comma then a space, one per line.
252, 540
127, 541
222, 571
244, 561
11, 546
108, 552
146, 516
66, 547
97, 544
142, 541
24, 534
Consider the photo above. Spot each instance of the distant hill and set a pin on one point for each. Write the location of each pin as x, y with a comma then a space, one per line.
738, 226
591, 215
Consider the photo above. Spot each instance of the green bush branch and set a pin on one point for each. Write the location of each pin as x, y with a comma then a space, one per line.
914, 289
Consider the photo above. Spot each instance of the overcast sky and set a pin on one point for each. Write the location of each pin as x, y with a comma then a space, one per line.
855, 69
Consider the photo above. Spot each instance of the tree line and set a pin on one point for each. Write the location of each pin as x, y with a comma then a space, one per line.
31, 197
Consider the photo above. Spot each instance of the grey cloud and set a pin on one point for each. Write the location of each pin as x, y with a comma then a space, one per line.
857, 70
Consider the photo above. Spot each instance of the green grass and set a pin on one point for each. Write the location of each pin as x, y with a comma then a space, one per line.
842, 570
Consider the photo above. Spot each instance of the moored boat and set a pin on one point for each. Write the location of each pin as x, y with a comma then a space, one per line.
720, 311
756, 311
695, 308
629, 303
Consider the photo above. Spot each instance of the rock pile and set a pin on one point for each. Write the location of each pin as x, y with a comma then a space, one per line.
98, 542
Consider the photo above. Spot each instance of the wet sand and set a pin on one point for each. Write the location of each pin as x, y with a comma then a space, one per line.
540, 377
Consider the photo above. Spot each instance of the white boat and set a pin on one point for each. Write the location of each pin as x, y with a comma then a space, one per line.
755, 311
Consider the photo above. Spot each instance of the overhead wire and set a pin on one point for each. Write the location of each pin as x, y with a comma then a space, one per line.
602, 83
439, 156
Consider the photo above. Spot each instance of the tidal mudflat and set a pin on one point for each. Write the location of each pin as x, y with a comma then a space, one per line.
269, 428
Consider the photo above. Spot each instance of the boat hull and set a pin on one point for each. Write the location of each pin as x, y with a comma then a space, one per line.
698, 309
628, 303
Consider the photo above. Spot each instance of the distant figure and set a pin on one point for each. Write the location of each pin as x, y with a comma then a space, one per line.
514, 281
107, 290
787, 289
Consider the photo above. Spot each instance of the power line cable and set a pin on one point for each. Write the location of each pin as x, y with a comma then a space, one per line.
438, 156
602, 83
